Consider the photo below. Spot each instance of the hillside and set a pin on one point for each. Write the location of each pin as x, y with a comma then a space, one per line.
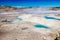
7, 8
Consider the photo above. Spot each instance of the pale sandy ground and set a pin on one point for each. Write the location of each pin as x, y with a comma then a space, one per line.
25, 30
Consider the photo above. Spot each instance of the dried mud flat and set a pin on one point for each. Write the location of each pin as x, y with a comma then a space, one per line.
25, 30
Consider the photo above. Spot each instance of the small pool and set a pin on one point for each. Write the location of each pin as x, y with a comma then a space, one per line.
57, 18
10, 20
40, 26
49, 17
20, 19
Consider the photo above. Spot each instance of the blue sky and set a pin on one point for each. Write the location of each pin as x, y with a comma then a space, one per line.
30, 2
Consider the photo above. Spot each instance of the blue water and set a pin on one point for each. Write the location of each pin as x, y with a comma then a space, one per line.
49, 17
10, 20
57, 18
20, 19
40, 26
30, 2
